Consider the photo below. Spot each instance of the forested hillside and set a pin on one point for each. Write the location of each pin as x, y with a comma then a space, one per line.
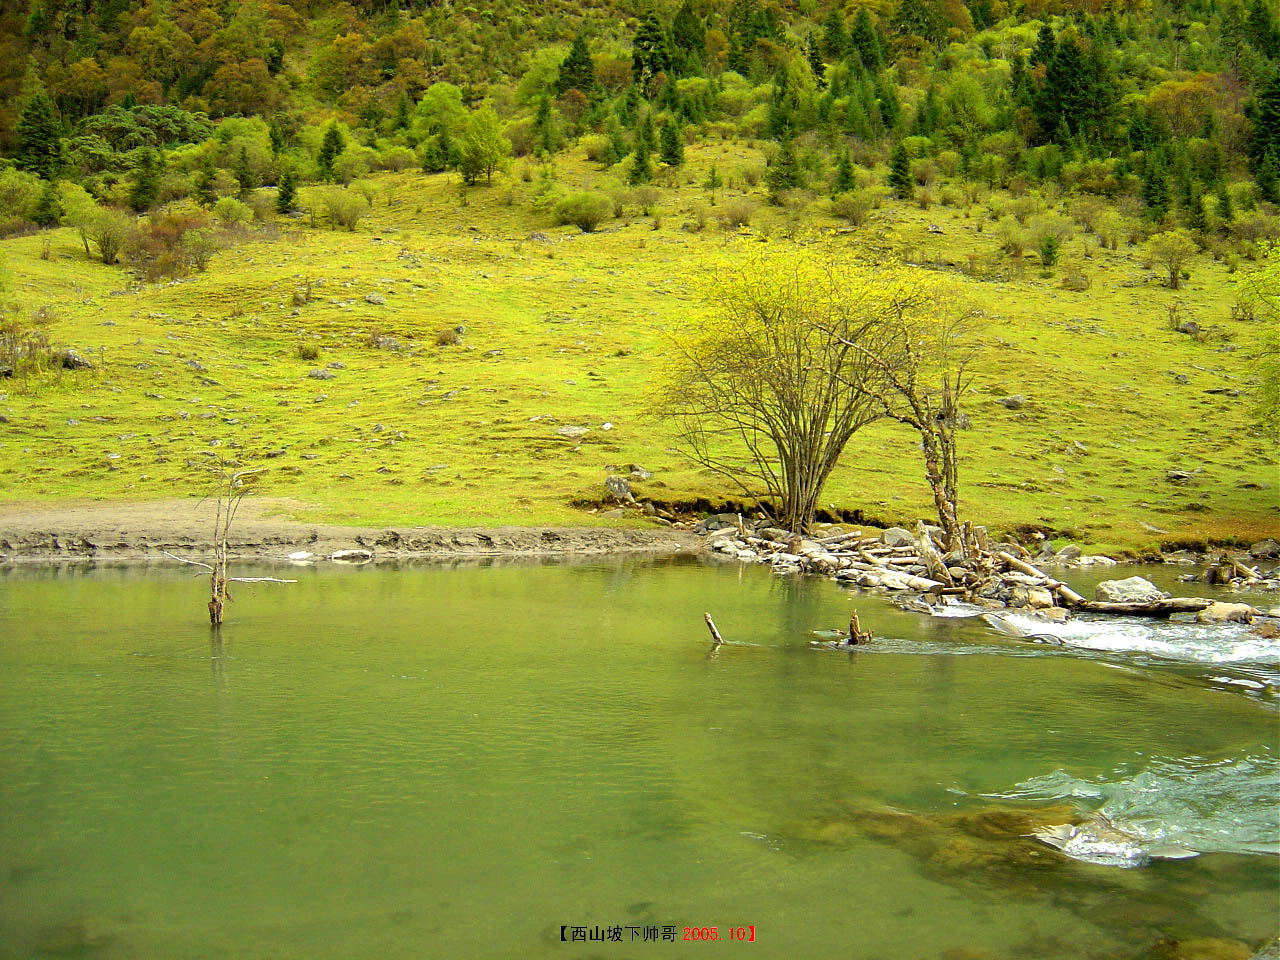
1171, 110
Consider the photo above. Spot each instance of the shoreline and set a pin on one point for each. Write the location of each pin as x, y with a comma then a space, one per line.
87, 531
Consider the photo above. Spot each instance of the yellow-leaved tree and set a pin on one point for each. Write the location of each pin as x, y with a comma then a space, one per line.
796, 350
761, 387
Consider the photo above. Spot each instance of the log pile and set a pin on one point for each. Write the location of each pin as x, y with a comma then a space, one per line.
979, 572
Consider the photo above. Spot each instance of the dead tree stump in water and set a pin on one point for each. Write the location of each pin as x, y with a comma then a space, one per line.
858, 636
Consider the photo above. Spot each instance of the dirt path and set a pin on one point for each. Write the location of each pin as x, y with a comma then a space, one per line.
85, 530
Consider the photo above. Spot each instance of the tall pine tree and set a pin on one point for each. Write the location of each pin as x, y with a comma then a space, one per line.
145, 181
900, 172
577, 72
332, 145
672, 144
39, 148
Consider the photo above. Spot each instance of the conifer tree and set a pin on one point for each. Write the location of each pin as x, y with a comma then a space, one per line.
1265, 120
617, 145
1065, 98
287, 194
276, 136
900, 172
815, 61
145, 185
645, 133
784, 172
1046, 46
206, 181
577, 72
651, 51
246, 179
864, 39
887, 101
688, 33
835, 38
641, 165
404, 112
1155, 191
39, 147
713, 183
545, 137
672, 144
1223, 206
1268, 177
844, 181
330, 147
48, 209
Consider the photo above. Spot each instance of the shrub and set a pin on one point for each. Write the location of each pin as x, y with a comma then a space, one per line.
646, 198
161, 248
585, 210
736, 213
344, 208
854, 206
232, 212
596, 146
449, 337
751, 172
110, 230
307, 351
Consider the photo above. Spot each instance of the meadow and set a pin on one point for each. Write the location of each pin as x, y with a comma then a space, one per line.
281, 355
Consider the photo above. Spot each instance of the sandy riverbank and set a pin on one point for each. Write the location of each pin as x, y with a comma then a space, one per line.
90, 530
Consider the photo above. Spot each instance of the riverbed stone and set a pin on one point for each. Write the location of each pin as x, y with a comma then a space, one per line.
1265, 549
897, 537
1070, 552
351, 556
1220, 612
1132, 590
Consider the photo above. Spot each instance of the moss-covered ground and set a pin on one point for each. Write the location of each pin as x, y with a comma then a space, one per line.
567, 329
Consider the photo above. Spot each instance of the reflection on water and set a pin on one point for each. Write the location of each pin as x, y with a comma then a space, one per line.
455, 762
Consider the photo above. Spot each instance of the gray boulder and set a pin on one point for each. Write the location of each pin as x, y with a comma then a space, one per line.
1070, 552
897, 537
377, 299
1265, 549
321, 374
1015, 402
619, 488
1132, 590
571, 431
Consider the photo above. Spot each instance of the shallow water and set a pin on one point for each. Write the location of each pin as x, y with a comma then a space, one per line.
454, 762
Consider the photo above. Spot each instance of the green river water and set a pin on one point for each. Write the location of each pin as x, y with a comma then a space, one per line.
460, 761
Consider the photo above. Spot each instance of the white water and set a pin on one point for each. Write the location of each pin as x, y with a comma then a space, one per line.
1172, 640
1228, 806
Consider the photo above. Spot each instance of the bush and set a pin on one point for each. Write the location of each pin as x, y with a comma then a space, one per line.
596, 146
164, 245
232, 212
344, 208
111, 231
585, 210
853, 207
307, 351
736, 213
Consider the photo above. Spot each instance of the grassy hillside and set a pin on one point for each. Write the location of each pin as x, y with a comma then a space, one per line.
565, 328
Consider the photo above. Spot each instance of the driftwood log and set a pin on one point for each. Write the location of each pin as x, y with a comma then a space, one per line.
1149, 608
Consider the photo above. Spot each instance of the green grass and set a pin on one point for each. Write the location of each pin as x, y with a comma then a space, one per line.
572, 329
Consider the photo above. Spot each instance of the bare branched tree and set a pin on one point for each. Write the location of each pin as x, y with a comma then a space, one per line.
765, 389
919, 363
230, 491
